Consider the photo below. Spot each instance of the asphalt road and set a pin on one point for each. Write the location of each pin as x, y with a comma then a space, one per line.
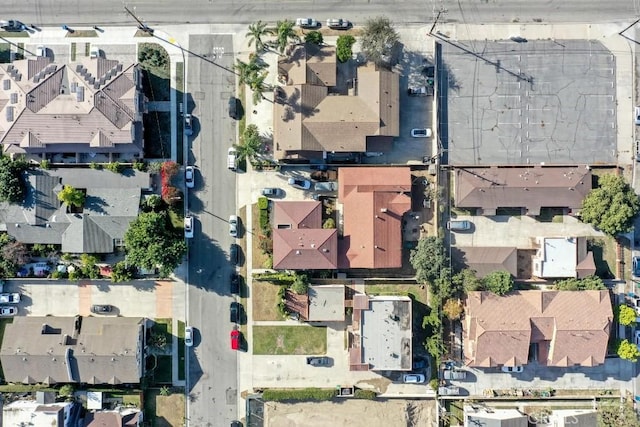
104, 12
212, 364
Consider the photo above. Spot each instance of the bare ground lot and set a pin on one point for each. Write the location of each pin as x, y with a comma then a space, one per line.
389, 413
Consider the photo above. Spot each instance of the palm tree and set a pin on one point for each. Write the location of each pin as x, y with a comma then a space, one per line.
255, 34
285, 32
251, 145
258, 86
247, 70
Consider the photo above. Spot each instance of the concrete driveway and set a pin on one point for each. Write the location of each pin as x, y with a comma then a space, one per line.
517, 231
147, 298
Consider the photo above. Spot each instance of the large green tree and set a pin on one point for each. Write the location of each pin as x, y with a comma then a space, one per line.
612, 206
499, 282
626, 315
71, 196
343, 47
12, 184
257, 31
152, 241
429, 258
378, 40
467, 280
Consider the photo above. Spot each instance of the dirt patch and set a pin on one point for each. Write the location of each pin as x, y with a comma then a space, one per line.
349, 413
167, 411
264, 301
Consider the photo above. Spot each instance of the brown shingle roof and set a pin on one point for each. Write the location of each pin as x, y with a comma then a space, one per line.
572, 328
484, 260
88, 106
308, 119
530, 187
297, 214
374, 201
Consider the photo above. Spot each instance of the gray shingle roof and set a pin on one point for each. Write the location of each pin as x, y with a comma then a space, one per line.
103, 351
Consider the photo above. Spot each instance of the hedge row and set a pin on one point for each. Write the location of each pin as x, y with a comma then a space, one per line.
279, 278
364, 394
300, 394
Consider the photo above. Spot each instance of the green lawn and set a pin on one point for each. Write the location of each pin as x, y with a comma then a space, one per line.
289, 340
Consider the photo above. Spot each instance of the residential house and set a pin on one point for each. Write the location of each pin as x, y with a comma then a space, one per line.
89, 107
487, 259
322, 303
529, 188
119, 418
37, 413
573, 417
111, 204
90, 350
299, 241
560, 257
372, 203
554, 328
380, 336
491, 417
316, 114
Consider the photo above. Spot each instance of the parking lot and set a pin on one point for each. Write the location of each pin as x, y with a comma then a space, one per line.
551, 101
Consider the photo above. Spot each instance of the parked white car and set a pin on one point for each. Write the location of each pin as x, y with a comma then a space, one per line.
189, 177
233, 225
188, 336
413, 378
421, 133
188, 227
307, 23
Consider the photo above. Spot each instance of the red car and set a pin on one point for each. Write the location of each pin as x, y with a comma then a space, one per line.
235, 339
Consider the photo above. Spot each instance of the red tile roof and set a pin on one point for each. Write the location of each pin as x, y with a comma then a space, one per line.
374, 201
570, 328
299, 241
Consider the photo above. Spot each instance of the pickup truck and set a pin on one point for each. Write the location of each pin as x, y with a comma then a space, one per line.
328, 186
327, 175
319, 361
10, 298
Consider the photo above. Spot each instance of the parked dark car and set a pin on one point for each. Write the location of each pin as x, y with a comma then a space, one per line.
319, 361
12, 26
234, 312
233, 254
101, 308
235, 283
234, 108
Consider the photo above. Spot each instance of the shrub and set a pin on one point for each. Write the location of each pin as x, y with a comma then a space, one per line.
434, 384
264, 220
115, 167
365, 394
344, 45
55, 274
263, 203
45, 164
302, 394
329, 223
140, 165
300, 285
66, 390
314, 37
278, 278
268, 263
95, 165
265, 243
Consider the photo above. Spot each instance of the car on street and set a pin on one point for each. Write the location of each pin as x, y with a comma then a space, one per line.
10, 298
307, 23
234, 108
188, 124
189, 177
319, 361
421, 133
637, 115
235, 283
635, 261
235, 339
302, 184
233, 254
232, 158
233, 312
188, 227
271, 192
418, 91
413, 378
338, 24
188, 336
12, 26
233, 225
512, 369
8, 311
101, 308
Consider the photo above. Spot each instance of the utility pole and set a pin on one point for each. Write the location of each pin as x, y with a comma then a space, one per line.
141, 25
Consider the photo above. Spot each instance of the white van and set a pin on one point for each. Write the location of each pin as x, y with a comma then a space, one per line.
231, 158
